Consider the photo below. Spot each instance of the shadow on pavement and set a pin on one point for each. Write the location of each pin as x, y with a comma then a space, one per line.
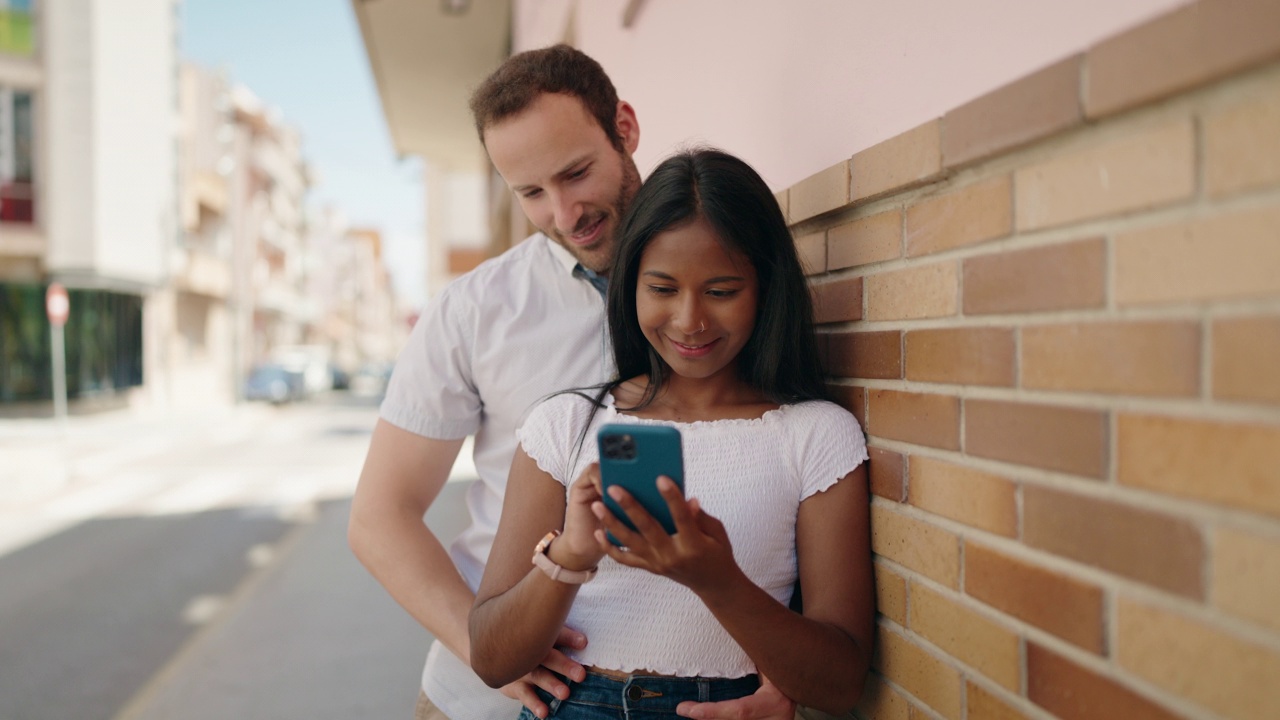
91, 620
89, 614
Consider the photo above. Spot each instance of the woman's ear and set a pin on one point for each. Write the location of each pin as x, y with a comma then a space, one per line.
628, 127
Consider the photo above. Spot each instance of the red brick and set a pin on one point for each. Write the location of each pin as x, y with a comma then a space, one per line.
1185, 48
897, 163
1230, 463
812, 249
1057, 277
1068, 608
1246, 359
871, 239
972, 214
914, 544
1137, 170
1034, 107
1159, 358
964, 356
887, 476
1069, 440
866, 355
851, 398
837, 300
891, 594
1072, 692
821, 192
983, 705
964, 494
920, 673
1150, 547
923, 419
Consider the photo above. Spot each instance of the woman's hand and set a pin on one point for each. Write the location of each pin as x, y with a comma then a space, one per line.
699, 554
576, 548
767, 703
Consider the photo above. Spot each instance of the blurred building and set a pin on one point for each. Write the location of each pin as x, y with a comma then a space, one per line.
269, 180
200, 297
361, 322
87, 189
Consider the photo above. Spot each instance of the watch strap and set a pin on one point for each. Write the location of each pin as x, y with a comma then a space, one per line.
558, 572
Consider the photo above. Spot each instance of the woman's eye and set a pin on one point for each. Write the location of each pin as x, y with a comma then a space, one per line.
722, 293
661, 290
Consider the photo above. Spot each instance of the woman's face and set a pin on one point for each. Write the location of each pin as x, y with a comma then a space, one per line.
695, 300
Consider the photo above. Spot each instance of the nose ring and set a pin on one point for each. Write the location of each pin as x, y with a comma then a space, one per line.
702, 326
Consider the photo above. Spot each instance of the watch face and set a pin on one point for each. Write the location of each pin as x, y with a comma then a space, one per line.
545, 542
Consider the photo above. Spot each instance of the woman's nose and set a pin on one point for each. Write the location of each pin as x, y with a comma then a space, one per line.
691, 320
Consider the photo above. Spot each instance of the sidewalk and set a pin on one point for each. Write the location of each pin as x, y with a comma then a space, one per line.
43, 460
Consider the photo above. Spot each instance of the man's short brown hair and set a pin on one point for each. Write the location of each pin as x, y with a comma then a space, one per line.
556, 69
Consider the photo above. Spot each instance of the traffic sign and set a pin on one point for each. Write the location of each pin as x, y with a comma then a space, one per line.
57, 304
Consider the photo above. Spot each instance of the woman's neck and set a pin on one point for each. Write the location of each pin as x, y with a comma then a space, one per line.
694, 399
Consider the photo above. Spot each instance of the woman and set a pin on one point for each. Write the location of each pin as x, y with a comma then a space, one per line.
711, 325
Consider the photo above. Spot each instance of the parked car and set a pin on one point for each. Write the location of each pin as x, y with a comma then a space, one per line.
341, 379
276, 384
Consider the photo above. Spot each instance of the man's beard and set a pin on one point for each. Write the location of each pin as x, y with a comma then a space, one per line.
599, 257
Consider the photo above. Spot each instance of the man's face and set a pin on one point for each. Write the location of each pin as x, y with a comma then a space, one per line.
570, 180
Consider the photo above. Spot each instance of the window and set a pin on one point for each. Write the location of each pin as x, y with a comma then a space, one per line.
17, 148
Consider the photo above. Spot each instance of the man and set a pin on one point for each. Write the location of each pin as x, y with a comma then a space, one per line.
514, 330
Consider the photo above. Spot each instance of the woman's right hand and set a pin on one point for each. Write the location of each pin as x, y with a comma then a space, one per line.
576, 548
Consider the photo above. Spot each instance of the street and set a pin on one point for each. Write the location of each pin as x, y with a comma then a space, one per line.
197, 567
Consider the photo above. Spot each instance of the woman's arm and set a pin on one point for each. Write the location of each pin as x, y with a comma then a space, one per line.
519, 609
818, 659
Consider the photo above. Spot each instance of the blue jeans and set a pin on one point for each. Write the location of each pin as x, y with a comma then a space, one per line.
640, 696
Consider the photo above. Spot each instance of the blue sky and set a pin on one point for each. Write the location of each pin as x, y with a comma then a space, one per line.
306, 58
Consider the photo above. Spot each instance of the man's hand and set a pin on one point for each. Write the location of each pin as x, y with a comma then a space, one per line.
767, 703
544, 675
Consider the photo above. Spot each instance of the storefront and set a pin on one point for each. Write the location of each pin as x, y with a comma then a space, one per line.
103, 342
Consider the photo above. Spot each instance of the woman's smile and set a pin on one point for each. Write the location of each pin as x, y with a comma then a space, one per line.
696, 300
694, 351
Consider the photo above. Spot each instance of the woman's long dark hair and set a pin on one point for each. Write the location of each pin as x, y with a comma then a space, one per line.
781, 358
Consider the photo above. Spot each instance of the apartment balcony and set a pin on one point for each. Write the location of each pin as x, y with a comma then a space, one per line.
22, 240
17, 202
202, 273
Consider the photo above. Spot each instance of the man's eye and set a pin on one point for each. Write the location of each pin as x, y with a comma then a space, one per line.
530, 194
577, 174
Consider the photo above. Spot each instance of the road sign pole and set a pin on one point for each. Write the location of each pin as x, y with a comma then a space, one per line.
59, 374
58, 307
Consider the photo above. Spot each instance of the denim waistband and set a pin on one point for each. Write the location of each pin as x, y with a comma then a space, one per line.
643, 696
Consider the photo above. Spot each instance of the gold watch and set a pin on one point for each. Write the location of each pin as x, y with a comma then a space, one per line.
554, 571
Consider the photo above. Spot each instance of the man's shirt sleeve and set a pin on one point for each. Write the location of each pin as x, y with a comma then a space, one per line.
432, 391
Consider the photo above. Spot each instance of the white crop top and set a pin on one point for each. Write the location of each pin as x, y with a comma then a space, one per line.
750, 474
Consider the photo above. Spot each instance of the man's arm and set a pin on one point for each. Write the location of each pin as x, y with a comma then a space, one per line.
403, 474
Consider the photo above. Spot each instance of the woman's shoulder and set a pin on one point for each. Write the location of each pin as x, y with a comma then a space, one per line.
818, 411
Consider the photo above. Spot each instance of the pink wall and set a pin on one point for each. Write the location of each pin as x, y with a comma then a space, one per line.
754, 76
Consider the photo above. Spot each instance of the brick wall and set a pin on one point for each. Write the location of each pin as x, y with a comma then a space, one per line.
1056, 311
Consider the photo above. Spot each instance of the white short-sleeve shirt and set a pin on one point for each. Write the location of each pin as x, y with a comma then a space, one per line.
515, 330
751, 474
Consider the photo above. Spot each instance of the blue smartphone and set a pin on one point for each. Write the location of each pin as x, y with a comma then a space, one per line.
633, 456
